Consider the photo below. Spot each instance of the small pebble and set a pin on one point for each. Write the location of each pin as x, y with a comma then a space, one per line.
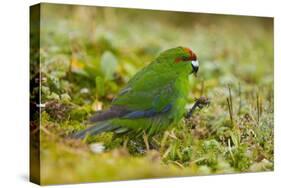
84, 90
97, 147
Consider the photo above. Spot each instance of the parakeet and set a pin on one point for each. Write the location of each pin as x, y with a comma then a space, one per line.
154, 98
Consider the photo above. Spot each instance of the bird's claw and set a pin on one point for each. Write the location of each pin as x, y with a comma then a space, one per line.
202, 101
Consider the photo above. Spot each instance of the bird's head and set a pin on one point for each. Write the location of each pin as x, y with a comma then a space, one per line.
181, 58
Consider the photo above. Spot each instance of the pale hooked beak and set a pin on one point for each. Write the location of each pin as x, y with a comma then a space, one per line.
195, 67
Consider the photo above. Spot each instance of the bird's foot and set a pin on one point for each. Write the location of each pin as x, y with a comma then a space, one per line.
200, 103
203, 101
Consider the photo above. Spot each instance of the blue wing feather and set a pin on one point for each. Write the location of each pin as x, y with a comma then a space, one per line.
147, 113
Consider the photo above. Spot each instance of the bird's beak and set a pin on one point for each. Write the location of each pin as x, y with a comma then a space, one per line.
195, 67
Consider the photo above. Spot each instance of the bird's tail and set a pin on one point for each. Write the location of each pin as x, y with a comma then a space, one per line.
94, 130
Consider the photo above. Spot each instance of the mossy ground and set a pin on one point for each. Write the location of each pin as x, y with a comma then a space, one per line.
88, 54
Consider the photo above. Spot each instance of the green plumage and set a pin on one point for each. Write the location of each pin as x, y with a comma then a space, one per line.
154, 98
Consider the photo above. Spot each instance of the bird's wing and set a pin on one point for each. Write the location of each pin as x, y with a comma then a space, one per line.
113, 112
159, 104
150, 92
147, 90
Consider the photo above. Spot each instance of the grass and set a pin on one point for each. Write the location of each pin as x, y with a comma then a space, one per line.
88, 54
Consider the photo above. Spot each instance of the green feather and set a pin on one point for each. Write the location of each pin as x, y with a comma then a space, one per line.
161, 83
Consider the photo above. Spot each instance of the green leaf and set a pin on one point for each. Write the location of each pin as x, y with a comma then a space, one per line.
108, 64
100, 86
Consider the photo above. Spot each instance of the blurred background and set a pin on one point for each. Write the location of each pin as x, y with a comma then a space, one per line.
88, 54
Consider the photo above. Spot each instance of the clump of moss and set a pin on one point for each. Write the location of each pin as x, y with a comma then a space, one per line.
84, 68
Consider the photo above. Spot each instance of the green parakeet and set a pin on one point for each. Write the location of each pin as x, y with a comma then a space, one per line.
153, 99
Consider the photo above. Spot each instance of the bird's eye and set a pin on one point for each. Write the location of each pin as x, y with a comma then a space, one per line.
179, 59
185, 58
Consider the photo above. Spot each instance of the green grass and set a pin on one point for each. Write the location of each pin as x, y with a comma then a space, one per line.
88, 54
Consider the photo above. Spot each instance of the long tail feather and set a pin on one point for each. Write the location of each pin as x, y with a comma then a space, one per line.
94, 130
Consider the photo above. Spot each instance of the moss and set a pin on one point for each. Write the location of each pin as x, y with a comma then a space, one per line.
223, 138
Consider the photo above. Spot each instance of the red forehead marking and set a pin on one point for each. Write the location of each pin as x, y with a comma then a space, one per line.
190, 53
